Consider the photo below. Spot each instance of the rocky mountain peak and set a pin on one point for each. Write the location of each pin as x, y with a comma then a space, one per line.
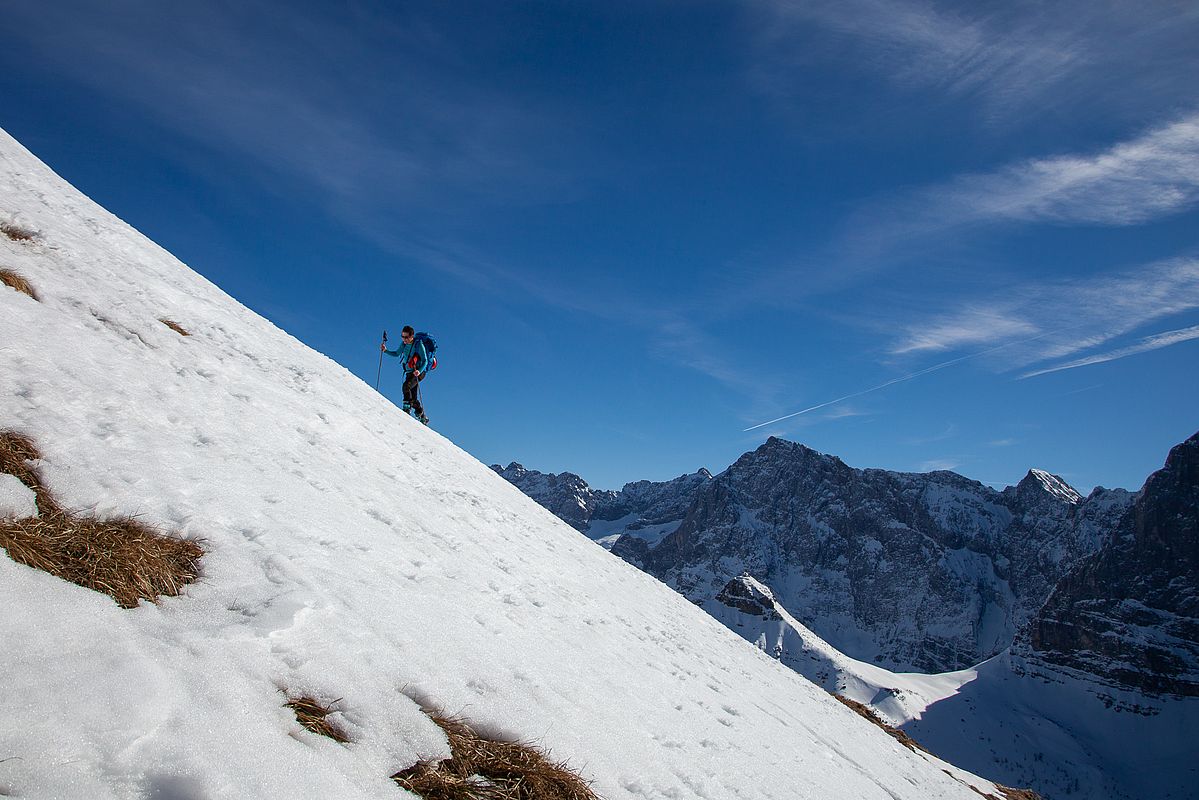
514, 469
748, 596
880, 559
565, 494
1181, 472
1129, 614
640, 507
1038, 482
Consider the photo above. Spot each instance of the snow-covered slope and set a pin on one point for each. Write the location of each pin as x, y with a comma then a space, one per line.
352, 555
1065, 734
1061, 732
750, 608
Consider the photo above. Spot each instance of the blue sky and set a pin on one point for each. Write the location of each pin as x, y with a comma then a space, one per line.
641, 230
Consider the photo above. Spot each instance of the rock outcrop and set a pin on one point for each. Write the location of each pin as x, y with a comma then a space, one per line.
1129, 614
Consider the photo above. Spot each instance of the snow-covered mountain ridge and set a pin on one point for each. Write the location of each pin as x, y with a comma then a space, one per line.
350, 554
929, 572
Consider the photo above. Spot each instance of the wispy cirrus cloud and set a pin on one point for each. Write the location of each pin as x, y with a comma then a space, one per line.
935, 464
972, 326
1148, 177
676, 337
372, 114
1005, 58
846, 412
1144, 345
1069, 317
1151, 176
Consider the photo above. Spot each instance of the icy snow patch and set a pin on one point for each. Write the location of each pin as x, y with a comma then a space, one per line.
607, 532
17, 500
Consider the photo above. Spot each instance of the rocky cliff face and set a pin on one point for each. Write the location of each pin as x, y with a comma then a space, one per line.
639, 511
926, 572
653, 503
566, 495
1129, 614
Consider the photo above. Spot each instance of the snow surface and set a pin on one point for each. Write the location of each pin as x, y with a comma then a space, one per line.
897, 697
352, 555
16, 499
1066, 735
607, 532
1062, 733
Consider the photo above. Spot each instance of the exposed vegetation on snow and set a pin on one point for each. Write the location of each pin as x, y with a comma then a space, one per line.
487, 769
122, 557
17, 281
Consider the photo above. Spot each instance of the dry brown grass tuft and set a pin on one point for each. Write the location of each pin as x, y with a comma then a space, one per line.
123, 558
15, 453
311, 714
17, 233
483, 769
17, 281
865, 711
175, 326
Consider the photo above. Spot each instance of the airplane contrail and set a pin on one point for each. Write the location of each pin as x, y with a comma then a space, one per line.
900, 379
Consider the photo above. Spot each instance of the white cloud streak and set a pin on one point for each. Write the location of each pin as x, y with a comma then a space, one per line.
1154, 342
1066, 317
1074, 315
1007, 59
937, 464
1151, 176
1148, 177
969, 327
1007, 56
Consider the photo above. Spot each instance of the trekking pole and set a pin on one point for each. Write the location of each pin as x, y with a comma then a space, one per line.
380, 375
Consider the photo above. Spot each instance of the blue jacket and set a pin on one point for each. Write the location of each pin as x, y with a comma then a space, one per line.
412, 355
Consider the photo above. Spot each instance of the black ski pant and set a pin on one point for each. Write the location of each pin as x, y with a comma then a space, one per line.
412, 393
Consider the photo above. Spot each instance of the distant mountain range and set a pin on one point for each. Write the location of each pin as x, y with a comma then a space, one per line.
927, 572
1058, 635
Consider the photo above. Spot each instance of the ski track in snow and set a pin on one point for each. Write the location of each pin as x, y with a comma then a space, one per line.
351, 555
